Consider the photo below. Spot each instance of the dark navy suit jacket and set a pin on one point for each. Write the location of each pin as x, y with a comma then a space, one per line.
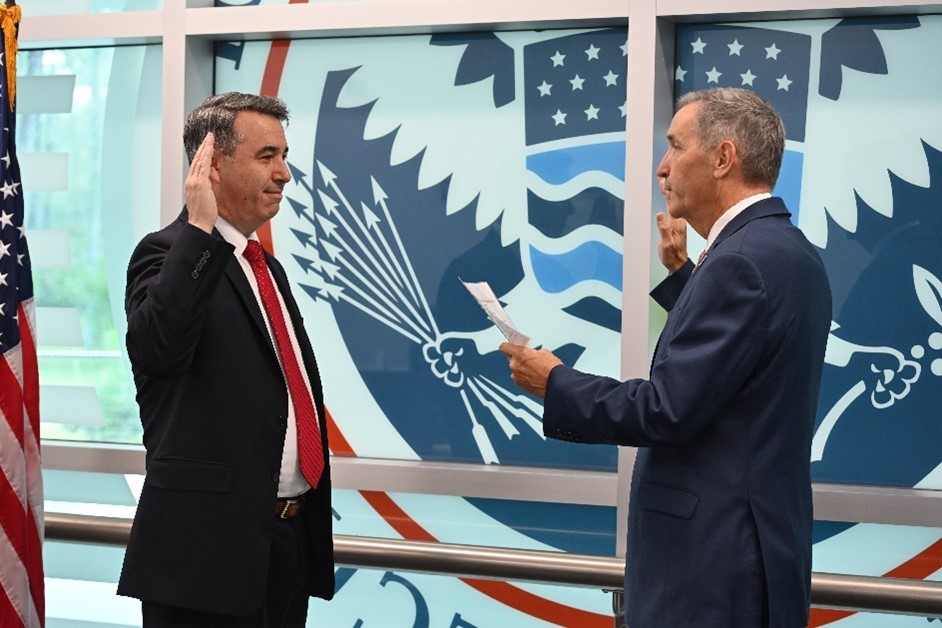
720, 513
213, 405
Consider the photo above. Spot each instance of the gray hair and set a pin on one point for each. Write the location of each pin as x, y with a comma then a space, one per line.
748, 121
217, 115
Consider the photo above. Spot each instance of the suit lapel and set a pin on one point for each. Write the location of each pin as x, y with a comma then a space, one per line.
240, 284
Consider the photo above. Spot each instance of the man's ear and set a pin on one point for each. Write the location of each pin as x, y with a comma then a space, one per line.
214, 169
725, 156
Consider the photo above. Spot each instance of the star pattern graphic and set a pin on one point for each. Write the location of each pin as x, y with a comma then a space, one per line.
774, 63
575, 85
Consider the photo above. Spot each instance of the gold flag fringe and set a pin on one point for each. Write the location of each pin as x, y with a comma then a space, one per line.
9, 20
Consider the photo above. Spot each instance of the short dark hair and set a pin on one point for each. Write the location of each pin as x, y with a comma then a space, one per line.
217, 115
748, 121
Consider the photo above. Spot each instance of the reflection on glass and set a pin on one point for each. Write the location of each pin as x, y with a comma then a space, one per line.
88, 140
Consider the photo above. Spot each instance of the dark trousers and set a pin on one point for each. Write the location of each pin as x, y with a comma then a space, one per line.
285, 602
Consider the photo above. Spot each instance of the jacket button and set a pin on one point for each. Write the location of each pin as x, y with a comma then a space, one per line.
275, 476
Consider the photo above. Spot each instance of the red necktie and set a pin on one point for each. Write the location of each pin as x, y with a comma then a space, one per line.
310, 451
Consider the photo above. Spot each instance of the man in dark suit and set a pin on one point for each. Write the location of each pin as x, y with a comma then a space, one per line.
720, 507
233, 527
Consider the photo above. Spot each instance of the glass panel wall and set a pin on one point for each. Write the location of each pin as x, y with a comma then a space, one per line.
422, 160
419, 162
88, 138
862, 176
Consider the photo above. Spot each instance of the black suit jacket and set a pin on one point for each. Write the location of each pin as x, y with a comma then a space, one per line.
719, 527
213, 404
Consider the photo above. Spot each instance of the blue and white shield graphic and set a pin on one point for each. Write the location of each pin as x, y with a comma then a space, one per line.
418, 161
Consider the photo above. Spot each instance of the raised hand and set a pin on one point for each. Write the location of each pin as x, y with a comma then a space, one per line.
198, 189
672, 247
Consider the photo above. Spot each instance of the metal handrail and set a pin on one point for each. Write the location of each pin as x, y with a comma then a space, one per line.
836, 591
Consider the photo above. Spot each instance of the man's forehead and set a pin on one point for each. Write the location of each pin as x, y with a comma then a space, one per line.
261, 128
253, 119
683, 119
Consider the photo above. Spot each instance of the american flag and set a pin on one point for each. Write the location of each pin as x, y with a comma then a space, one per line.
22, 600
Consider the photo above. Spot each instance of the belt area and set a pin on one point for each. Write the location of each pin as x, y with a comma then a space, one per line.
288, 507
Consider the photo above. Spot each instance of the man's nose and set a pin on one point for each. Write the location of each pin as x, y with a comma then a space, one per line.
282, 172
662, 168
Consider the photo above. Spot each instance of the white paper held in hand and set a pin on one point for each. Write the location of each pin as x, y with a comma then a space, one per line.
482, 293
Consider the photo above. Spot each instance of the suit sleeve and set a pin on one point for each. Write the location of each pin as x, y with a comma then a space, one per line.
710, 347
170, 286
668, 291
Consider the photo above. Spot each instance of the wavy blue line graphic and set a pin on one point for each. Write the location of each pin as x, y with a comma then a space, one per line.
559, 166
597, 311
557, 219
556, 272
